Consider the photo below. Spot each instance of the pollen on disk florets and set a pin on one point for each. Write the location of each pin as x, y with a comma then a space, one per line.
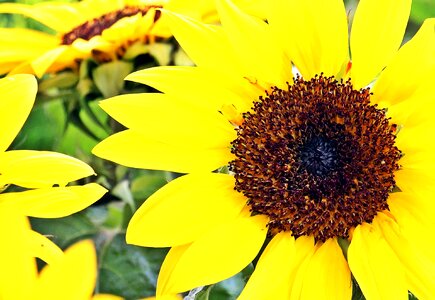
317, 158
96, 26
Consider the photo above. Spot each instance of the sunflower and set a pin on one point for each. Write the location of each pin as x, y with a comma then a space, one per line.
91, 28
291, 143
104, 30
35, 182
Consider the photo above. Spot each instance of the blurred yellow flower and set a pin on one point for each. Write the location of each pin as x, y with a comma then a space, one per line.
101, 29
67, 276
44, 175
338, 176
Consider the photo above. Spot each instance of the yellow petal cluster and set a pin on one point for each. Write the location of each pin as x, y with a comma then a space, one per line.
44, 177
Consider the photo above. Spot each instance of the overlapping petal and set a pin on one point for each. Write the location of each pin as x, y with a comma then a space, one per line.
193, 35
41, 247
325, 275
58, 17
246, 33
270, 279
184, 209
170, 121
225, 250
53, 202
413, 214
133, 149
420, 271
313, 34
39, 169
71, 278
413, 64
22, 87
190, 84
380, 23
18, 265
375, 266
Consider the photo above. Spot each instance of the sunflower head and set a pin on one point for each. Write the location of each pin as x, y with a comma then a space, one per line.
325, 163
317, 158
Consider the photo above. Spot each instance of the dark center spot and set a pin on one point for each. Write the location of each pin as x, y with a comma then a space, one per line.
318, 158
319, 155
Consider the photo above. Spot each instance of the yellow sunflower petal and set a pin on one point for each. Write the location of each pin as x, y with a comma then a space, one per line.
170, 121
18, 94
193, 35
415, 112
34, 169
326, 275
377, 32
413, 208
272, 272
84, 48
420, 160
54, 202
375, 266
61, 18
41, 64
71, 278
29, 37
420, 271
314, 34
171, 259
257, 52
413, 139
18, 266
414, 180
191, 84
41, 247
21, 68
225, 250
133, 149
6, 67
414, 215
184, 209
410, 67
134, 27
19, 44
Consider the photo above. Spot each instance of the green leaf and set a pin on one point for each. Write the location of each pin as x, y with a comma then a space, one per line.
93, 117
356, 291
228, 289
66, 231
135, 50
145, 185
421, 10
411, 296
109, 77
76, 143
60, 80
115, 215
128, 271
122, 191
204, 294
44, 127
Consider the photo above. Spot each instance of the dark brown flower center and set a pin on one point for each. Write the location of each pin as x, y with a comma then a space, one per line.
317, 158
96, 26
